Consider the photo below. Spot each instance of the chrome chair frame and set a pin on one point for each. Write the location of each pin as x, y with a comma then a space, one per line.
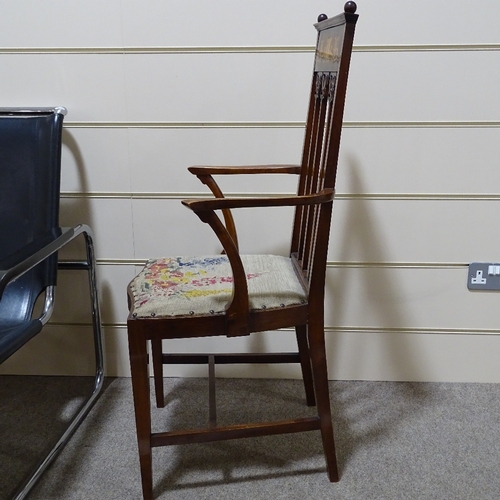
20, 263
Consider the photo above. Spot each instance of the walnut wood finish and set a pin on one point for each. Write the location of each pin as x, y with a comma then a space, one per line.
201, 170
210, 204
310, 235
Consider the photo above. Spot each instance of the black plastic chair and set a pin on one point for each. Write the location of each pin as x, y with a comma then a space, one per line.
30, 237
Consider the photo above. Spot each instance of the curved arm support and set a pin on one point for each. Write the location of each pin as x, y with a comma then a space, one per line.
209, 181
237, 312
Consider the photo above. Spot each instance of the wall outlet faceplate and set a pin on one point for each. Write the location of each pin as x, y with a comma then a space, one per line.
484, 276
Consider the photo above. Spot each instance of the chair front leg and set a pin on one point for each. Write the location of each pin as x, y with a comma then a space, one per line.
157, 355
142, 405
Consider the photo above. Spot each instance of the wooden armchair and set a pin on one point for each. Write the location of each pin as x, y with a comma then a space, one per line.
234, 294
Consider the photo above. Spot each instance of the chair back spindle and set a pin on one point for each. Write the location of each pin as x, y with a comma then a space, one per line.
322, 139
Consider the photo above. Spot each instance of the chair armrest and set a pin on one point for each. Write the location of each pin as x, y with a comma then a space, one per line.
205, 172
244, 169
238, 310
210, 204
36, 252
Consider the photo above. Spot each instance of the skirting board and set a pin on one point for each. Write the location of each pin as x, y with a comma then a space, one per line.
379, 355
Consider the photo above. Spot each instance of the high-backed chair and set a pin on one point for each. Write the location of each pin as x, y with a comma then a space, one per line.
30, 237
234, 294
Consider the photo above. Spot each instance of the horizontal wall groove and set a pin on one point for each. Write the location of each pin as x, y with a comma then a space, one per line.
184, 124
428, 47
250, 49
397, 265
424, 124
161, 195
338, 196
235, 49
278, 124
330, 264
64, 324
419, 196
341, 329
120, 262
412, 330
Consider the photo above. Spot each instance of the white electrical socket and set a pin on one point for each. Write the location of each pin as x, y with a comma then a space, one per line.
478, 279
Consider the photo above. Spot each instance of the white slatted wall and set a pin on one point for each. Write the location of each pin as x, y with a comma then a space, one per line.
153, 87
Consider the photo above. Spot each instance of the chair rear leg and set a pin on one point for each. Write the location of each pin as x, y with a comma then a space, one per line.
142, 406
305, 363
157, 354
320, 376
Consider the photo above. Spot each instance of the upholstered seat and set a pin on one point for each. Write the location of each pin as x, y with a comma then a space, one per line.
203, 285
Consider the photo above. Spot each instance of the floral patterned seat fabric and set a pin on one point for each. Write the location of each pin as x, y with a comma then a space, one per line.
183, 286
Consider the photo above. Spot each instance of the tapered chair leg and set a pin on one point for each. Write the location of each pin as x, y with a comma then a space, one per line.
320, 377
305, 363
142, 406
157, 353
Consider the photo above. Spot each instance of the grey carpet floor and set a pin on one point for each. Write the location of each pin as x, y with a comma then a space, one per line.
395, 441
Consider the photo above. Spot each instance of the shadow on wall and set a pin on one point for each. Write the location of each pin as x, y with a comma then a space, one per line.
73, 211
379, 291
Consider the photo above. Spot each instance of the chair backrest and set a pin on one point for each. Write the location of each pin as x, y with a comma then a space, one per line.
322, 142
30, 161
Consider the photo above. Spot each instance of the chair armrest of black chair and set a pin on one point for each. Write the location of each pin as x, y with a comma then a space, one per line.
32, 254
